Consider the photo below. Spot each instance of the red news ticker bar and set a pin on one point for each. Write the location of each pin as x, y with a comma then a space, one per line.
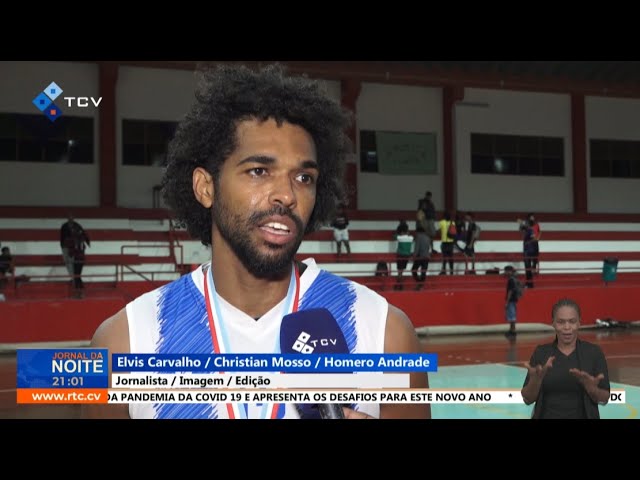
62, 395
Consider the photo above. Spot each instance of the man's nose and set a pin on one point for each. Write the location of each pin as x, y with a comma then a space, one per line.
283, 192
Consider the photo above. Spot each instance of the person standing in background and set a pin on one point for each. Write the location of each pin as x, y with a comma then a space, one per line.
513, 294
472, 234
340, 226
73, 241
425, 226
460, 231
447, 239
535, 243
528, 249
429, 209
6, 267
421, 256
404, 250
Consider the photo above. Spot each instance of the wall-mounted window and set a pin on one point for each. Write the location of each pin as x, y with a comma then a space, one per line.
145, 142
35, 138
517, 155
398, 153
615, 158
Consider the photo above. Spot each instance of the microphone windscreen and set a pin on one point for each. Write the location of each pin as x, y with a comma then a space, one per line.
313, 331
330, 411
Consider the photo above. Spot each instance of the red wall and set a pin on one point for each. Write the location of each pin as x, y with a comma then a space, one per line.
486, 307
46, 321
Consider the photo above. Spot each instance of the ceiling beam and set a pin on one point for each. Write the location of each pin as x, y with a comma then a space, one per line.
492, 75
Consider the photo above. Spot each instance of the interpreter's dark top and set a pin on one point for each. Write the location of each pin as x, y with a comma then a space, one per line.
561, 394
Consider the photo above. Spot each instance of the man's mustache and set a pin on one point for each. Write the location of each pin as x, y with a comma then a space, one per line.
258, 217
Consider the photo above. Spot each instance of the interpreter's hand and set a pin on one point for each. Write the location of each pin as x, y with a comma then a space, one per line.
589, 382
351, 414
538, 372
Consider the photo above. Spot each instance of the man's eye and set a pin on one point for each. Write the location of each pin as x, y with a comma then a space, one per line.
258, 171
306, 178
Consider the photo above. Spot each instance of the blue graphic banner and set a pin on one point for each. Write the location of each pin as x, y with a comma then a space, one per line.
286, 363
63, 368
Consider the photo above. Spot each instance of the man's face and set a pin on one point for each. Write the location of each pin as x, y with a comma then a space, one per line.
265, 194
566, 324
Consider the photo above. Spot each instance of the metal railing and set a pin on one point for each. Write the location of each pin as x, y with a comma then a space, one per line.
172, 255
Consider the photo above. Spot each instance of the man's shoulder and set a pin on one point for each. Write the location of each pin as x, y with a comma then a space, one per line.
113, 333
185, 281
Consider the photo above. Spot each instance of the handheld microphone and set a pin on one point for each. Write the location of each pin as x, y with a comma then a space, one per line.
308, 332
330, 411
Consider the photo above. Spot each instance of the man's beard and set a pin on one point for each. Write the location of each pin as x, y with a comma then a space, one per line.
238, 232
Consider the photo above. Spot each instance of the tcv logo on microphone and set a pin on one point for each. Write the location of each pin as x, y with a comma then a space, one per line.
304, 344
44, 101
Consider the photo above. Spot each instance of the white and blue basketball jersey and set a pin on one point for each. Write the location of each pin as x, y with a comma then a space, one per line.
173, 319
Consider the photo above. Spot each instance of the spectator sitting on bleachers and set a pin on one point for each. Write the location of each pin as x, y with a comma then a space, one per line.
403, 226
382, 270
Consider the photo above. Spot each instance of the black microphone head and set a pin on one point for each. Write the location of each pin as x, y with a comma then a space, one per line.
330, 411
313, 331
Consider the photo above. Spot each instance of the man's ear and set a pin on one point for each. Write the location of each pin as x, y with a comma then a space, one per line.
203, 187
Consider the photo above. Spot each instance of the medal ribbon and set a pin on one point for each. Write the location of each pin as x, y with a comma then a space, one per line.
220, 337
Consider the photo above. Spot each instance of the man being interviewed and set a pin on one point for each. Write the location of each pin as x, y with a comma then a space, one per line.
254, 165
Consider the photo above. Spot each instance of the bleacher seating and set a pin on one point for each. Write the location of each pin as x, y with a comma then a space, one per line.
56, 260
566, 248
571, 252
132, 255
121, 250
